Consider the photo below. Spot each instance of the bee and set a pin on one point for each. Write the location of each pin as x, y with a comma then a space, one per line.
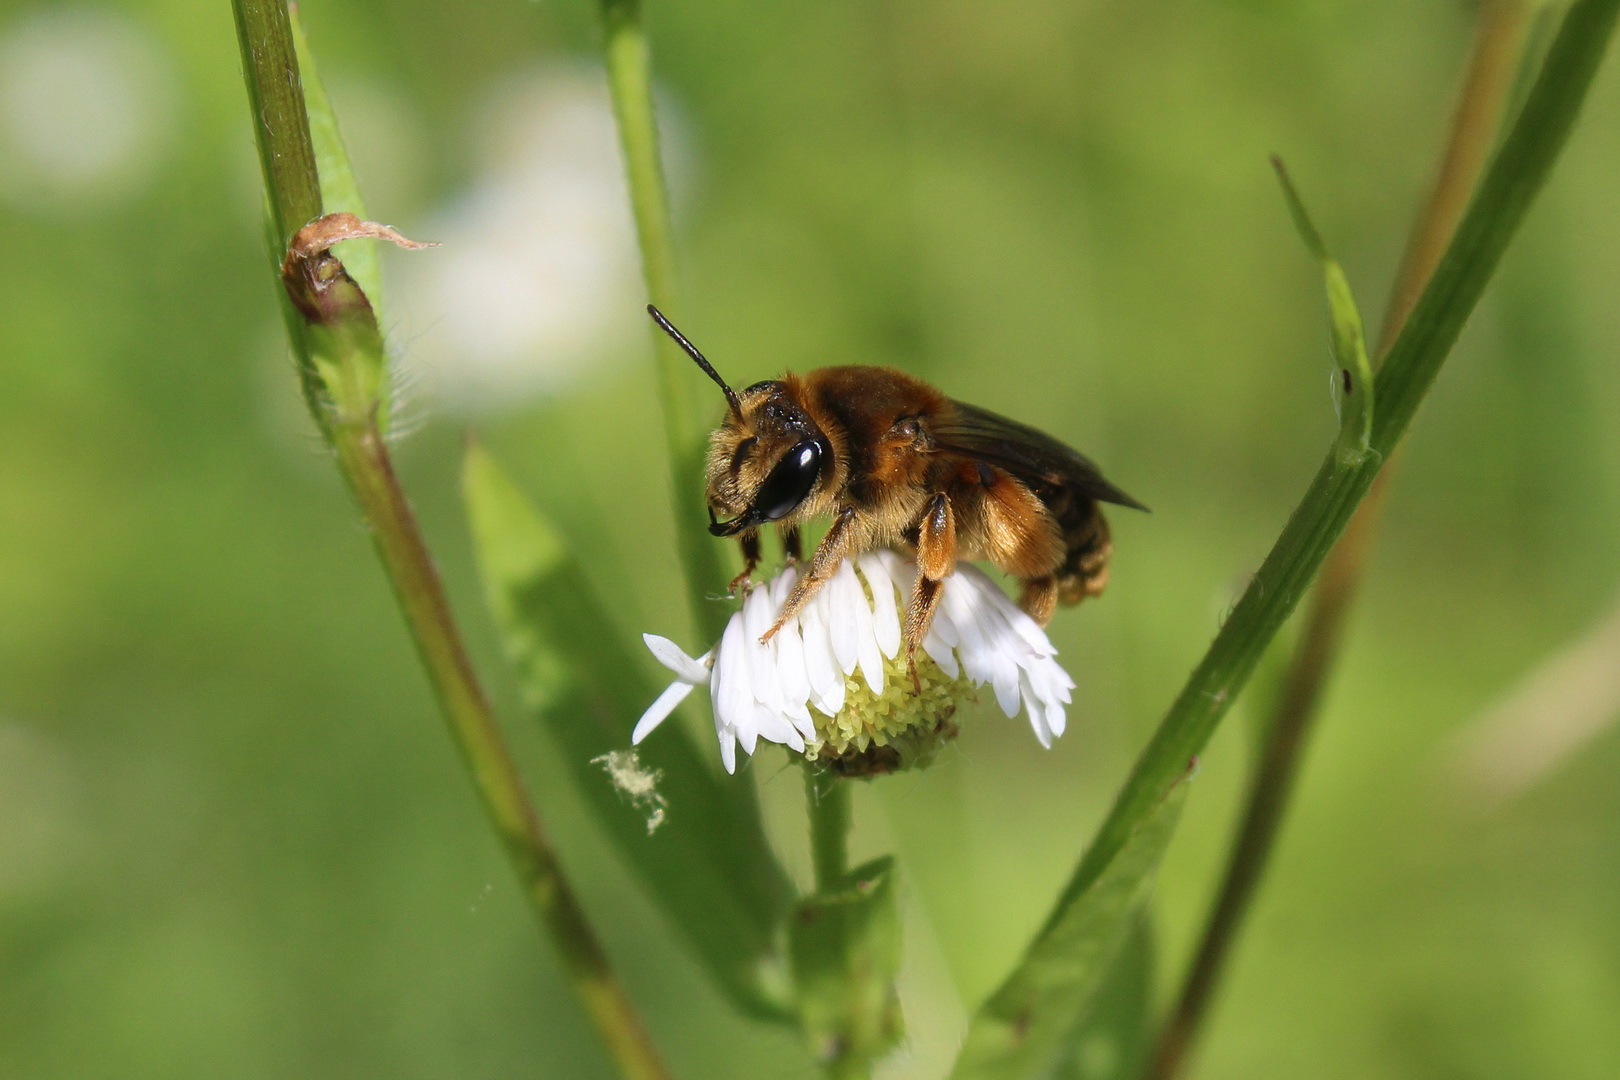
893, 462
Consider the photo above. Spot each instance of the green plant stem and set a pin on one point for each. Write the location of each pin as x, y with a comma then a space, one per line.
281, 124
1495, 57
1516, 175
827, 801
366, 465
281, 128
685, 428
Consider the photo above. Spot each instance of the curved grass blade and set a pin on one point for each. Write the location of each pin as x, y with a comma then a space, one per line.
695, 841
1017, 1031
1020, 1030
1113, 1038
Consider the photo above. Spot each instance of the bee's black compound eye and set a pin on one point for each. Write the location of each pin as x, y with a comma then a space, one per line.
789, 483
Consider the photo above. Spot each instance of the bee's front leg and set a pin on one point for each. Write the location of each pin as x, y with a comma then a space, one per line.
749, 542
824, 564
792, 549
936, 558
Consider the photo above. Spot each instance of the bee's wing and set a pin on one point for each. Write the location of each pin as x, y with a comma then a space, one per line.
1031, 455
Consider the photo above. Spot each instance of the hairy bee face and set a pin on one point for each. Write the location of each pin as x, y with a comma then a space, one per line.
764, 461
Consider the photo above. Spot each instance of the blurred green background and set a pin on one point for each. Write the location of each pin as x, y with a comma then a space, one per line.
234, 838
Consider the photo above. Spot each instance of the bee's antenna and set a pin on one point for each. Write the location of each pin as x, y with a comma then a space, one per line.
691, 350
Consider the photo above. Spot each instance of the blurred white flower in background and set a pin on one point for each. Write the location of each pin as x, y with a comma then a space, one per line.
538, 281
87, 107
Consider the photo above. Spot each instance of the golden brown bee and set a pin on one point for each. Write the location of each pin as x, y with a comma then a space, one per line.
895, 463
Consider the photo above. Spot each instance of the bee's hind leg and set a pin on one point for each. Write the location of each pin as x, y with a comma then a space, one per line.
936, 558
1039, 598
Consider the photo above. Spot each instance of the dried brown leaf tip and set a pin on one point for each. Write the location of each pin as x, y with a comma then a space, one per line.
315, 279
318, 236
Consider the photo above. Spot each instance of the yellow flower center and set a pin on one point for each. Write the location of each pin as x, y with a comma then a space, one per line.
899, 728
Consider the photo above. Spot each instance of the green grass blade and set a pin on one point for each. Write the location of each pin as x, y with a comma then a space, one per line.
1015, 1034
1353, 382
690, 405
707, 863
1021, 1029
1113, 1038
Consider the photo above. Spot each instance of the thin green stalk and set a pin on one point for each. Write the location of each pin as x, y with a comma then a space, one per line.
1496, 55
827, 800
1519, 171
685, 428
340, 349
1018, 1031
363, 457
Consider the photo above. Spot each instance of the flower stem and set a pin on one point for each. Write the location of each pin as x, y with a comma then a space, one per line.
685, 429
827, 800
334, 331
1496, 53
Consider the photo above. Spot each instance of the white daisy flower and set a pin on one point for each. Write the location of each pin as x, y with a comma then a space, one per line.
833, 684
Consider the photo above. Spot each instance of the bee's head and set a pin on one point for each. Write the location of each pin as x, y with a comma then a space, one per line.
767, 457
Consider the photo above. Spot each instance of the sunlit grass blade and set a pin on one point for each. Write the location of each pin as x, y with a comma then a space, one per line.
1021, 1029
706, 861
1004, 1039
1353, 381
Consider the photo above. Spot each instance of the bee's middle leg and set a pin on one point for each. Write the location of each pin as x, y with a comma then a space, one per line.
792, 546
936, 558
824, 563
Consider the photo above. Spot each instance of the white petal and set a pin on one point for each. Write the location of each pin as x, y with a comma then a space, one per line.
1056, 719
885, 615
774, 727
782, 584
1036, 712
1017, 618
672, 656
728, 751
1005, 681
942, 653
729, 685
790, 670
867, 652
843, 594
758, 616
973, 649
820, 665
659, 710
945, 626
1050, 681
